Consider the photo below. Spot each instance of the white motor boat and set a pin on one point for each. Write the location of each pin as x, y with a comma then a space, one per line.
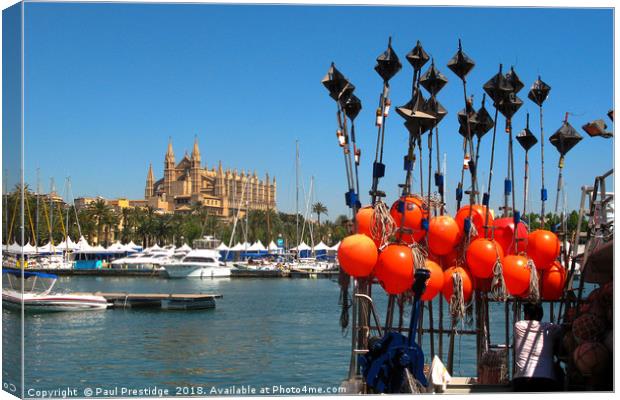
152, 260
37, 295
197, 264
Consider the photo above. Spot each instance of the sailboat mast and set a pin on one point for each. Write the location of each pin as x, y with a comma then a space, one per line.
68, 182
297, 194
51, 209
6, 206
36, 236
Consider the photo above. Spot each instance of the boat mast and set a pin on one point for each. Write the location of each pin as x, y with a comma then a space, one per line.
6, 206
51, 210
297, 196
67, 183
36, 236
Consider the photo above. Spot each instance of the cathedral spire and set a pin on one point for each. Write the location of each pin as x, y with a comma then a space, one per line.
196, 150
150, 177
170, 152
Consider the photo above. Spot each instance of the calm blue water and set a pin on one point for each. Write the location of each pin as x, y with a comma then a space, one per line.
263, 332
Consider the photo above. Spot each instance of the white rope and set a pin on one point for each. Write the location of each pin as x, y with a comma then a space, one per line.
381, 224
534, 291
419, 255
498, 285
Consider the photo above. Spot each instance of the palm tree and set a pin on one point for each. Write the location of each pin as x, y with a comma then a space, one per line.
100, 212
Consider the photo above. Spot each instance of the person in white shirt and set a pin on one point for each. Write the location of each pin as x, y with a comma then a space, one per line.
534, 347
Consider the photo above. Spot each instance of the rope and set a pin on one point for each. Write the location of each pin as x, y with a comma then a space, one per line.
498, 285
419, 255
343, 281
534, 291
381, 223
457, 300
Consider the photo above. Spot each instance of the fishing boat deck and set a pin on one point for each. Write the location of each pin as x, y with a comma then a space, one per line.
166, 301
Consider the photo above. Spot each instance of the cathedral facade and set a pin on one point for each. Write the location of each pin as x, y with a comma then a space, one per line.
223, 192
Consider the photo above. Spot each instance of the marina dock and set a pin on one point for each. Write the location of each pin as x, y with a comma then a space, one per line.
165, 301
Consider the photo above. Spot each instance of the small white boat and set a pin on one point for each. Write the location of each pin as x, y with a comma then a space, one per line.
149, 260
37, 296
197, 264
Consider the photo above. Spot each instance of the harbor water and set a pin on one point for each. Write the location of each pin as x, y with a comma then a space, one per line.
263, 333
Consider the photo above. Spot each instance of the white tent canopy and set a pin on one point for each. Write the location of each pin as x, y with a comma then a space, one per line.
257, 246
48, 248
82, 244
335, 247
185, 247
272, 246
29, 249
222, 247
69, 244
302, 247
238, 247
321, 247
133, 245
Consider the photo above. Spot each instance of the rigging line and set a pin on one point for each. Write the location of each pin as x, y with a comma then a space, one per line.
488, 193
542, 168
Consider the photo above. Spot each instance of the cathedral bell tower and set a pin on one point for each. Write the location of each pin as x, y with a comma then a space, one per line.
169, 167
195, 169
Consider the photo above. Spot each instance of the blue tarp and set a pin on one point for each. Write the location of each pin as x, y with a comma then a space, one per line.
28, 274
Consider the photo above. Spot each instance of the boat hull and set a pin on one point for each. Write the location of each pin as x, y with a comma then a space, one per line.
54, 303
185, 271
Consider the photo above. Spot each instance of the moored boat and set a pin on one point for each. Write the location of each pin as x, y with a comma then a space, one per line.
197, 264
34, 294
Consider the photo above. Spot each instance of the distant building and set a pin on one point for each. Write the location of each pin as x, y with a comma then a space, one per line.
222, 192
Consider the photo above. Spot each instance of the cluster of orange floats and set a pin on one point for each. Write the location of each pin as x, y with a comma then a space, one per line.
392, 264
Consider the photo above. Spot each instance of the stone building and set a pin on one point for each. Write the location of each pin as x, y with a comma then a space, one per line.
222, 191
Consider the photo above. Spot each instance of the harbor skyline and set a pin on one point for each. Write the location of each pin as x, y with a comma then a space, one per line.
221, 74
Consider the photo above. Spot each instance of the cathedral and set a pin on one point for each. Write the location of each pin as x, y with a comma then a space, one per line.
223, 192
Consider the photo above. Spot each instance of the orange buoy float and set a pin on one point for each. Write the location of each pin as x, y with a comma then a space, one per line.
504, 235
552, 282
543, 247
481, 257
448, 283
394, 269
516, 274
357, 255
411, 208
591, 358
478, 215
443, 235
434, 284
364, 219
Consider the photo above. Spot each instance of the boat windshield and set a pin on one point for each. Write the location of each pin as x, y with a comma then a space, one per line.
33, 282
199, 259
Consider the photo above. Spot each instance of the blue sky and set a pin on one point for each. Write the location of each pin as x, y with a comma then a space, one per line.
107, 84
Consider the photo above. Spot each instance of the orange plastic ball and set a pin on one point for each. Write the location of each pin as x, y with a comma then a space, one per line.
409, 211
543, 247
552, 282
443, 235
516, 274
394, 270
448, 284
363, 219
478, 215
357, 255
481, 256
504, 235
434, 284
